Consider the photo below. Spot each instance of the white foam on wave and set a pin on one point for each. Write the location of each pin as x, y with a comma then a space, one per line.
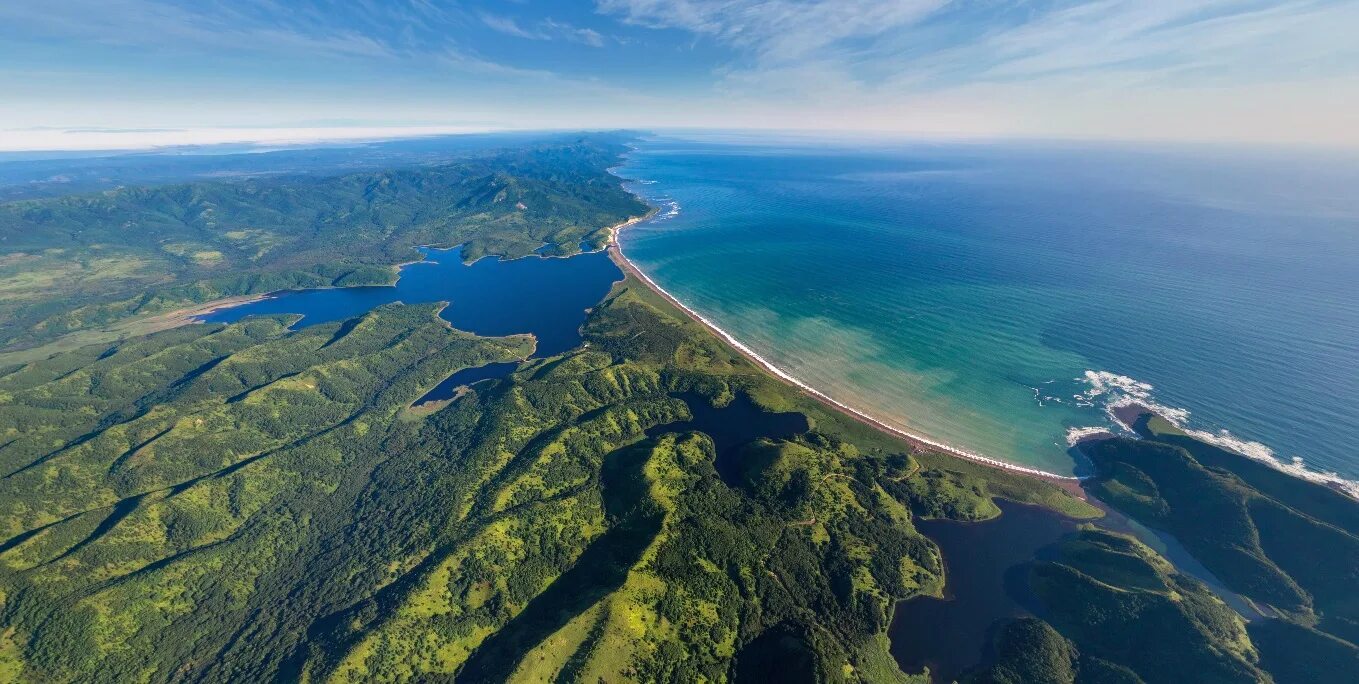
1114, 391
1110, 390
665, 207
1076, 435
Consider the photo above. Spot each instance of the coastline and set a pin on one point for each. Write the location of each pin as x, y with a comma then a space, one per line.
615, 250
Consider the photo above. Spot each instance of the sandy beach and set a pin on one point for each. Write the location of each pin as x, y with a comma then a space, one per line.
616, 253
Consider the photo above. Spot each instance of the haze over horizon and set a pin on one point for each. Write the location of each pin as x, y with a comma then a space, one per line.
81, 74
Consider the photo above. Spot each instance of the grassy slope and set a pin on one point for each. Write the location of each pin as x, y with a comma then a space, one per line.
86, 262
243, 502
1289, 545
1113, 611
155, 502
685, 572
1287, 557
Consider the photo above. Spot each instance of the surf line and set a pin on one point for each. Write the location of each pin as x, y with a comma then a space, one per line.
616, 248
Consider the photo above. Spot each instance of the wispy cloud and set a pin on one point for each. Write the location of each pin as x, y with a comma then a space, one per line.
509, 27
1184, 68
409, 30
882, 47
584, 36
1162, 41
146, 23
776, 32
547, 29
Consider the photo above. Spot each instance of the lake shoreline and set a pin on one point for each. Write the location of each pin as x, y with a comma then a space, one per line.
614, 249
194, 314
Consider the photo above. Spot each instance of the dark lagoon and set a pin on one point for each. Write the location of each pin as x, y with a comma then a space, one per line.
736, 424
544, 297
448, 389
950, 635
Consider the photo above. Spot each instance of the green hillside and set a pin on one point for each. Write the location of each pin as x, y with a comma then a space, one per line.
83, 261
246, 502
226, 502
1288, 545
1113, 611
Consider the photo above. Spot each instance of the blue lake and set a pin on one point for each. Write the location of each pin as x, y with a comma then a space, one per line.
544, 297
448, 389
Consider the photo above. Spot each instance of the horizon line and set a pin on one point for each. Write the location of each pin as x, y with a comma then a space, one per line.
113, 141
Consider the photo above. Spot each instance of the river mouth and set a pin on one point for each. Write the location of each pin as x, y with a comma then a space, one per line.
984, 588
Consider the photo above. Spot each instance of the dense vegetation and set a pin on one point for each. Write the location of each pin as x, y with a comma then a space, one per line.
220, 503
1114, 611
80, 262
247, 502
226, 502
1288, 545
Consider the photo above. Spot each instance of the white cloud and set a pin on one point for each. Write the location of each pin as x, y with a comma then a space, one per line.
776, 32
160, 25
547, 29
880, 42
1201, 69
509, 27
1244, 69
584, 36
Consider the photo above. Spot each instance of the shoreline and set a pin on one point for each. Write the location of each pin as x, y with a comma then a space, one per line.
192, 314
615, 250
1072, 483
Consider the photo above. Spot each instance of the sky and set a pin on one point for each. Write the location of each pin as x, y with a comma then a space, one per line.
131, 73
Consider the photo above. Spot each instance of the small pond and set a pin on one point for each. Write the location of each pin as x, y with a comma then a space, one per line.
739, 422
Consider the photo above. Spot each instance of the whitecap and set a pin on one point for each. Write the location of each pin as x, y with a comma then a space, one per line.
1113, 391
1076, 435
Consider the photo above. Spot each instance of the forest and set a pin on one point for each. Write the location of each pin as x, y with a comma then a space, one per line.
80, 262
251, 502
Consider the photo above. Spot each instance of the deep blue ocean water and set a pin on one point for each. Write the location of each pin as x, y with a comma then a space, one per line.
545, 297
1002, 297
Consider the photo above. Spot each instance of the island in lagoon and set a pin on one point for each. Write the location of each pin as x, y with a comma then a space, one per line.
273, 498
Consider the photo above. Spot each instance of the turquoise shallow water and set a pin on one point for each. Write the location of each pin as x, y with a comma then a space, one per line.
999, 297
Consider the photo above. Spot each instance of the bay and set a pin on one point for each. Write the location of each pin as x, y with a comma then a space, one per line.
1002, 296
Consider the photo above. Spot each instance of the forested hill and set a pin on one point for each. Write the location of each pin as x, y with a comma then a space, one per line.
79, 262
251, 502
255, 502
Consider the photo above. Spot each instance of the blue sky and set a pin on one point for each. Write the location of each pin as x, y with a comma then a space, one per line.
147, 70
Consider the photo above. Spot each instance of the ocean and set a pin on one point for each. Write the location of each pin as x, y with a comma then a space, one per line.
1003, 298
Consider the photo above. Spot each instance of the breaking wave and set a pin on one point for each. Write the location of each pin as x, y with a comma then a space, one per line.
1076, 435
1113, 392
